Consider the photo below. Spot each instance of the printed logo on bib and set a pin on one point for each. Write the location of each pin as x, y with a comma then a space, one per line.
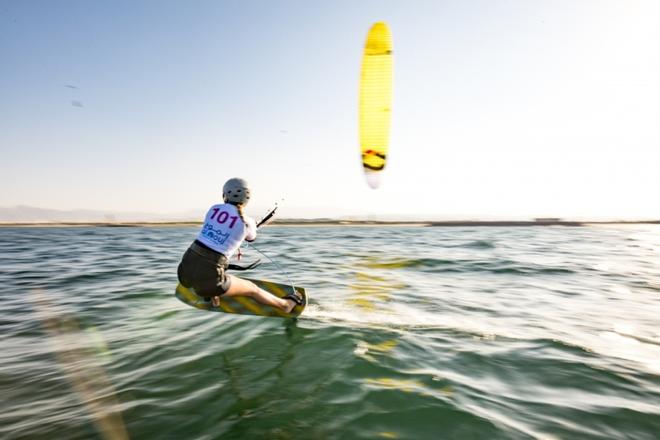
215, 235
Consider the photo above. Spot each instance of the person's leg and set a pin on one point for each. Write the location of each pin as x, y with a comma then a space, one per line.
241, 287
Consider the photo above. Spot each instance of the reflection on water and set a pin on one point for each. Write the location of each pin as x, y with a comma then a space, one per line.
76, 357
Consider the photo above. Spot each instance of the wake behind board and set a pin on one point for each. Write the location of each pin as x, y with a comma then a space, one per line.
243, 305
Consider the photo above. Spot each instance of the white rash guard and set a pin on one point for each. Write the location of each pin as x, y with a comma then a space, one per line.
224, 231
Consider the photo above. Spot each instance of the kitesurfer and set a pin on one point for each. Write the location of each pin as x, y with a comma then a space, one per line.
203, 266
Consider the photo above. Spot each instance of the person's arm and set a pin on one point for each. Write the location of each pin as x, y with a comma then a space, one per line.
251, 227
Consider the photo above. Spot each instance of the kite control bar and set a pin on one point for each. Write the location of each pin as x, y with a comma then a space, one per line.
268, 216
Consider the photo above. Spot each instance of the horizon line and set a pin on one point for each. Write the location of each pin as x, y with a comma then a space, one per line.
344, 222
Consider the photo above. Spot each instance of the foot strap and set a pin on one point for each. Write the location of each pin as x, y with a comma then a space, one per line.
295, 297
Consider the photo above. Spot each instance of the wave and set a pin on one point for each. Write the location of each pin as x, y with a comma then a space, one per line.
648, 285
476, 244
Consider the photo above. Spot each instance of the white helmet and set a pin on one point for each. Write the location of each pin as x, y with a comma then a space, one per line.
236, 190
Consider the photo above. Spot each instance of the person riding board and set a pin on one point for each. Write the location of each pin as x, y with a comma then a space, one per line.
204, 264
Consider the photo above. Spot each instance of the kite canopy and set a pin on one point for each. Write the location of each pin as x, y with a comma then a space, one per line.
375, 101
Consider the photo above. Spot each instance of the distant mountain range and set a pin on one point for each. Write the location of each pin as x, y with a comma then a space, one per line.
31, 214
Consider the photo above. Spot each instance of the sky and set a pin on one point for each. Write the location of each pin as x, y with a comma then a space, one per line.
501, 109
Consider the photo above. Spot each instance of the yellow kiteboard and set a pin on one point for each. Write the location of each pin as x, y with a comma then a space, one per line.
244, 305
375, 101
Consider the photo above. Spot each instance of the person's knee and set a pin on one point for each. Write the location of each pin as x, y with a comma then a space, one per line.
254, 290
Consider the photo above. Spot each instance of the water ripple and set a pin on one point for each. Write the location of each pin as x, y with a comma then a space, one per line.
412, 333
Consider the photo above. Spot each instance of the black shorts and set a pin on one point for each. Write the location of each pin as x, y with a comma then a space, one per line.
203, 269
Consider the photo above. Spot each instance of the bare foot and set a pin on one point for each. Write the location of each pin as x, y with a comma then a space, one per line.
290, 304
215, 301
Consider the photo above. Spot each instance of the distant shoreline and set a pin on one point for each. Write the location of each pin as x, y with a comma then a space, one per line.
328, 222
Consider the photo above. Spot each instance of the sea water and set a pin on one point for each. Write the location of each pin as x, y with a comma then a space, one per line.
411, 333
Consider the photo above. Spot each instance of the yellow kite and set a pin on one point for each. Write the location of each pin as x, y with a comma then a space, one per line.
375, 101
